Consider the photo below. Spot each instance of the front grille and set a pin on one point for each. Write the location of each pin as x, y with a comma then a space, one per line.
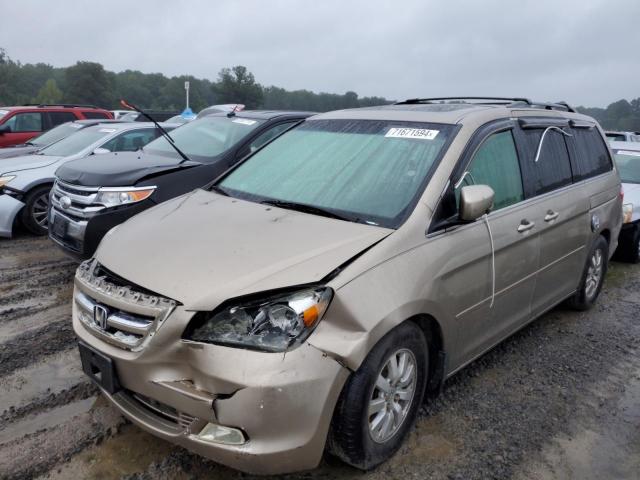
82, 205
168, 416
115, 312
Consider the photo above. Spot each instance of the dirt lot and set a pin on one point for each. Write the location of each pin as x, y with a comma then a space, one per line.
560, 399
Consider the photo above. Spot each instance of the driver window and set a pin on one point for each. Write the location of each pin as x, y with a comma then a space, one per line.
495, 164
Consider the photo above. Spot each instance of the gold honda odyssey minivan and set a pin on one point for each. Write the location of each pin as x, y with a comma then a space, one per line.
307, 299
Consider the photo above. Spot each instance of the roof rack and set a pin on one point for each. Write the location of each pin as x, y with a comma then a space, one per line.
63, 105
507, 101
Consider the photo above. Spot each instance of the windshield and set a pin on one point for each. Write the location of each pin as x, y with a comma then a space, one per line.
628, 163
366, 171
77, 142
55, 134
205, 138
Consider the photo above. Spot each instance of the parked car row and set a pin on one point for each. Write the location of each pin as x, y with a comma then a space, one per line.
264, 286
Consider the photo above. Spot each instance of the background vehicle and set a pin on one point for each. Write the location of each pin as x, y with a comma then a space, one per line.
212, 144
627, 157
49, 137
383, 249
224, 108
157, 115
20, 124
25, 182
622, 136
118, 113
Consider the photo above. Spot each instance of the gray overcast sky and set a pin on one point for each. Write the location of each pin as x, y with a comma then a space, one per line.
582, 51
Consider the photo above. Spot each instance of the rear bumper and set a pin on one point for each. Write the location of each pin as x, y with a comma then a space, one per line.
9, 208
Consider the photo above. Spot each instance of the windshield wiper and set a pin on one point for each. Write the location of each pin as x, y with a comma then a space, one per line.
162, 130
302, 207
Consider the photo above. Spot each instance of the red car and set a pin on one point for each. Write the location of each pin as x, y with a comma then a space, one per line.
19, 124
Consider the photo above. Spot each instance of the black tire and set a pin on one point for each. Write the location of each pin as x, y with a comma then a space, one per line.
31, 214
632, 248
350, 437
587, 295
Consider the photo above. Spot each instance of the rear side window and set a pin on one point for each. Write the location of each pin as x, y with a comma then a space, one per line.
25, 122
591, 152
553, 168
92, 115
496, 164
58, 118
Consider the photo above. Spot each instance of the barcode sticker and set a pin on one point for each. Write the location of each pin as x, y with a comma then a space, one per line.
415, 133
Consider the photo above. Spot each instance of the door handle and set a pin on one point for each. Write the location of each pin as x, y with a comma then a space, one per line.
551, 215
525, 225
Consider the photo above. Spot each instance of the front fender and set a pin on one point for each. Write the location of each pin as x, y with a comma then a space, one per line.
9, 208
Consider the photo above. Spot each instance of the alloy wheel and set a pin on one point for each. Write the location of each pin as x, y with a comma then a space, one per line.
392, 395
594, 274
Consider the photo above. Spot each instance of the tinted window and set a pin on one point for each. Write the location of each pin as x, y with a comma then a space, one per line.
92, 115
131, 141
270, 134
592, 154
616, 137
496, 164
553, 168
57, 118
368, 171
25, 122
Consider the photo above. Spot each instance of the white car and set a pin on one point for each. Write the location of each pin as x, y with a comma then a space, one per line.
627, 158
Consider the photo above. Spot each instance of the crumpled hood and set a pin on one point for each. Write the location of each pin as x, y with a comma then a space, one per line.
203, 248
10, 152
116, 169
27, 162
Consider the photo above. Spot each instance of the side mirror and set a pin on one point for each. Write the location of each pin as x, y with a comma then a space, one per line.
475, 201
100, 151
5, 129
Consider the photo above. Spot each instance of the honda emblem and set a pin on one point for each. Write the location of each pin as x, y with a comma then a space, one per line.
100, 315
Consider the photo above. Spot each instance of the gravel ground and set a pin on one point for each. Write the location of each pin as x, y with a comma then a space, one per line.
558, 400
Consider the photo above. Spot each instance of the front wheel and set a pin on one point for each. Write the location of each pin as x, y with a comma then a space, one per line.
380, 401
36, 210
592, 276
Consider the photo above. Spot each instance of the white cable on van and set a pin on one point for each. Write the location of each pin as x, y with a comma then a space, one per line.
493, 261
539, 150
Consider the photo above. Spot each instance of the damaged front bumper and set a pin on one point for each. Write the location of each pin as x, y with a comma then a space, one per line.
9, 208
280, 403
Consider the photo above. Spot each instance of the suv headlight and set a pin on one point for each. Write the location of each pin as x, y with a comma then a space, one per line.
274, 323
627, 212
113, 197
6, 179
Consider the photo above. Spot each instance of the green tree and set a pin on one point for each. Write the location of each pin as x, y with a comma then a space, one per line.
49, 93
88, 83
238, 85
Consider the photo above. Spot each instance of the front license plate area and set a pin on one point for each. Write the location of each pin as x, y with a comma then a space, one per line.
99, 368
59, 227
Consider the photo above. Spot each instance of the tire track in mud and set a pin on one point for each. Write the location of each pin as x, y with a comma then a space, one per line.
48, 409
496, 415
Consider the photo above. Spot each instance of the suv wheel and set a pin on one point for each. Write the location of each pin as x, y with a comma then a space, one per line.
35, 212
380, 401
592, 277
633, 247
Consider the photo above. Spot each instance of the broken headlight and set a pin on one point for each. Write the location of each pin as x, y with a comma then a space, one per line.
274, 323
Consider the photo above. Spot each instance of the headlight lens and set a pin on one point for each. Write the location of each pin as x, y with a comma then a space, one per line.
274, 324
6, 179
627, 212
114, 198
